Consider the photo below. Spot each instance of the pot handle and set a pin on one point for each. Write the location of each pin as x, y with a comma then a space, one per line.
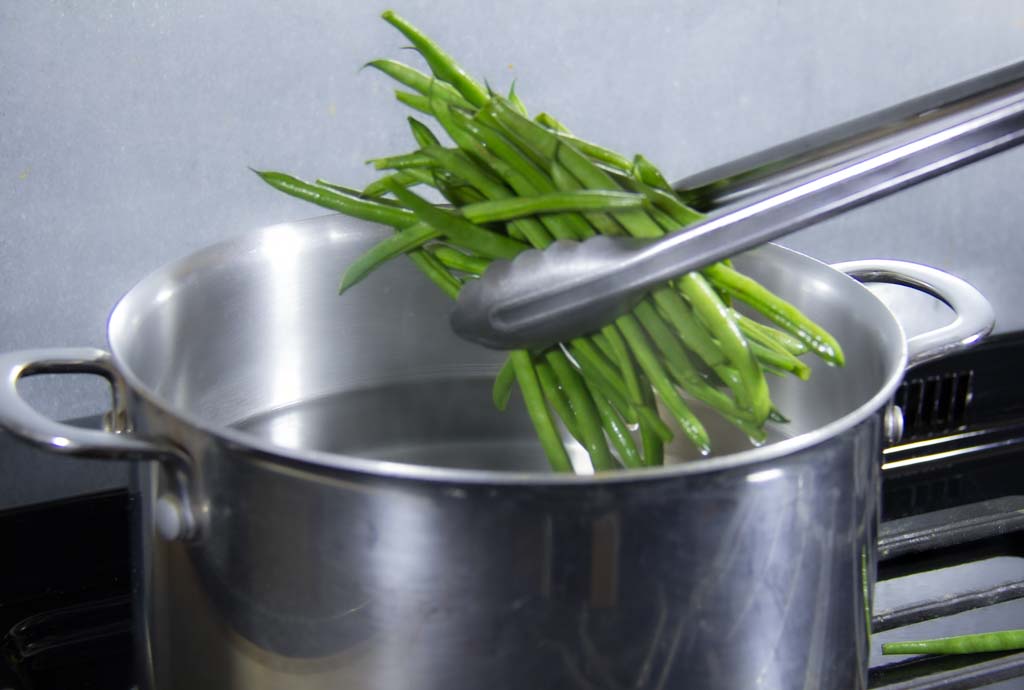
25, 422
974, 314
175, 514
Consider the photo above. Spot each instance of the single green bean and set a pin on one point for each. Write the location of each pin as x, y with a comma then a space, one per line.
418, 81
622, 357
460, 231
442, 64
1001, 641
458, 261
645, 171
653, 451
554, 202
363, 209
355, 192
501, 391
777, 310
526, 377
404, 178
416, 101
551, 123
422, 134
403, 161
514, 99
681, 214
404, 241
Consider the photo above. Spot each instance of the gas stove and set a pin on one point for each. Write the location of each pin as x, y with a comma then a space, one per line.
951, 548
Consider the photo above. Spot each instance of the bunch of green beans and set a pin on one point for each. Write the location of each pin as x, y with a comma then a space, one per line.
514, 182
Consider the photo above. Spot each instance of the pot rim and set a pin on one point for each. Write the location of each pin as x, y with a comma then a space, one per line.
316, 459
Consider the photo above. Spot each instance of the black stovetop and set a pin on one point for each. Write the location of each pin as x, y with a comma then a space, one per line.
951, 550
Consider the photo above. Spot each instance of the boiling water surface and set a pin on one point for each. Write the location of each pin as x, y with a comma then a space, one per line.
449, 422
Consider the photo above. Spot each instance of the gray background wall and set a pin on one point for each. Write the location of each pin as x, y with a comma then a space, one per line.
126, 129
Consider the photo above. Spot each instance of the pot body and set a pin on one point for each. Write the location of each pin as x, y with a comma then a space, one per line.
336, 503
735, 578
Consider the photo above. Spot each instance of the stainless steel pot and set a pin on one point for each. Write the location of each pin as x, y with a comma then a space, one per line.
333, 502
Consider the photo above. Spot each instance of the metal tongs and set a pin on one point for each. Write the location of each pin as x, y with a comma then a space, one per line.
545, 296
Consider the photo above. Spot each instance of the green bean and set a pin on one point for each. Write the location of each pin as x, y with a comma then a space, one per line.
458, 192
501, 391
363, 209
595, 367
458, 261
561, 226
648, 417
782, 361
596, 152
460, 231
320, 182
1001, 641
442, 64
551, 442
707, 304
653, 451
437, 273
625, 362
590, 176
681, 369
513, 98
615, 429
602, 222
401, 162
404, 178
648, 173
555, 202
636, 222
583, 406
681, 214
555, 394
418, 81
648, 361
499, 145
491, 187
551, 123
385, 250
777, 310
416, 101
769, 336
463, 166
696, 337
422, 134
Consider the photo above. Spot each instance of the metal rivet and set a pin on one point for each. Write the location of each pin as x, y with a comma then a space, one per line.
893, 424
170, 524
